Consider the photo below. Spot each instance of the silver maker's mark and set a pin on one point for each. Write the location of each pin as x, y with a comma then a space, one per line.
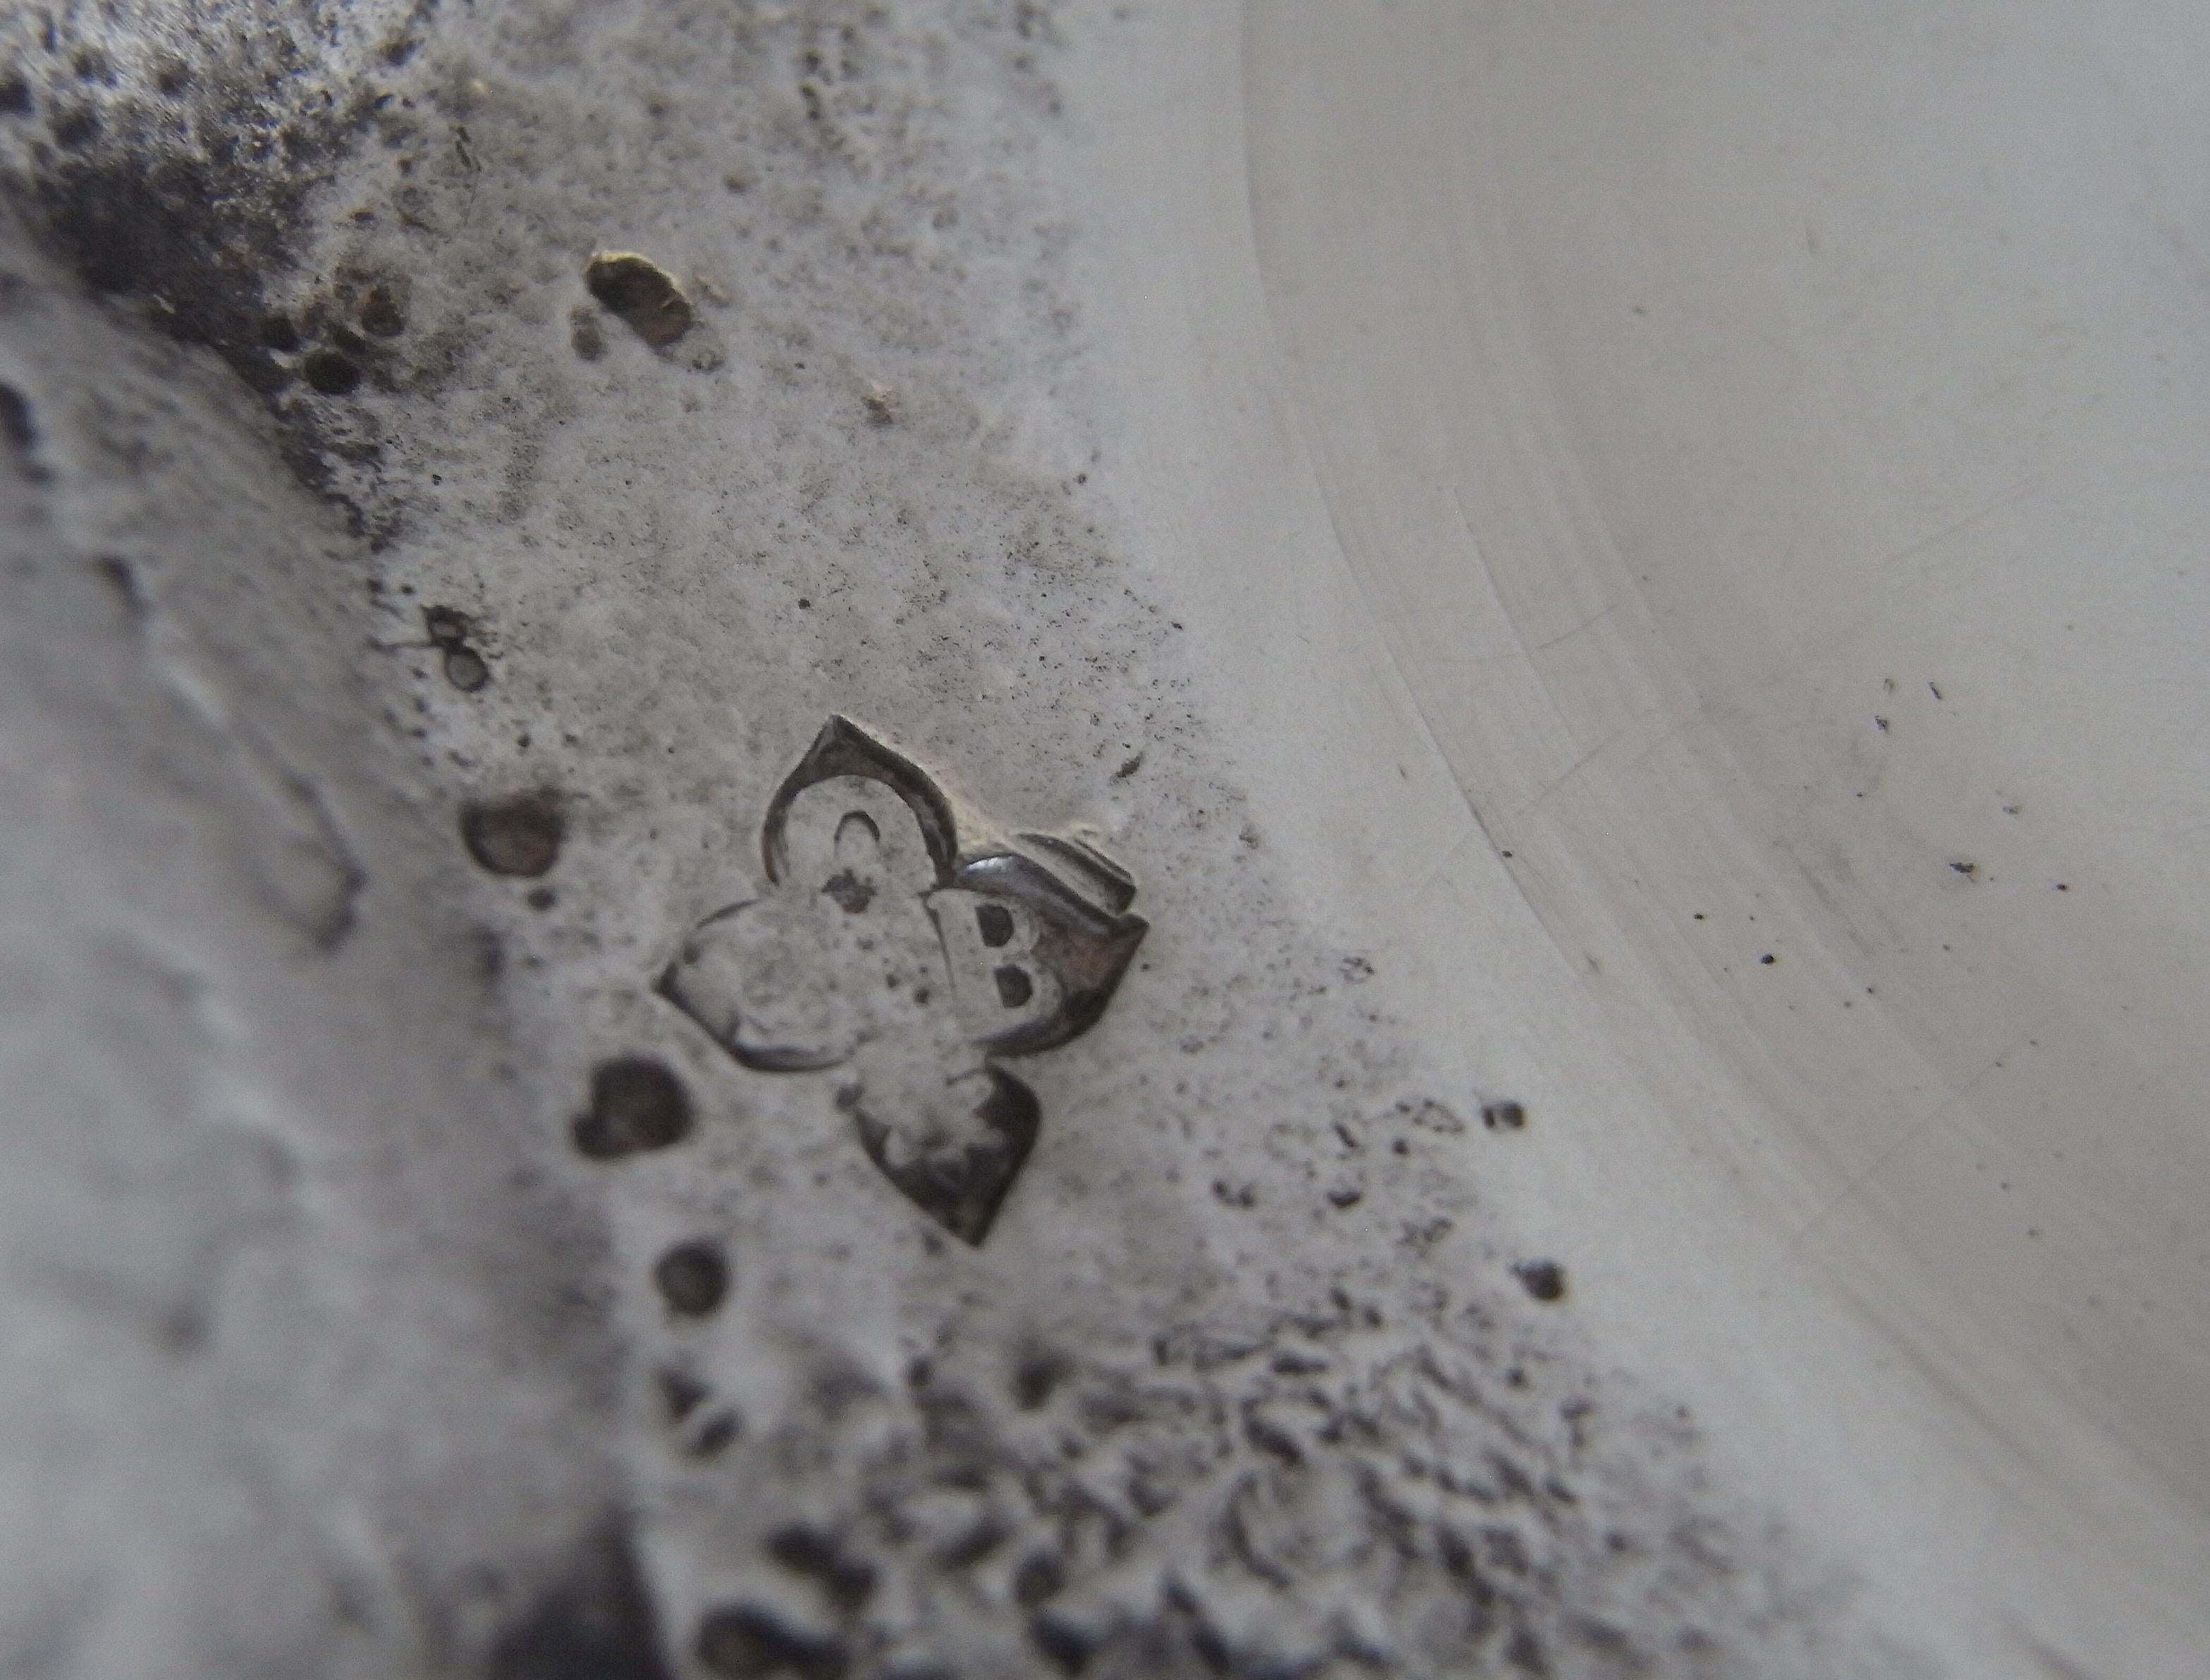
906, 945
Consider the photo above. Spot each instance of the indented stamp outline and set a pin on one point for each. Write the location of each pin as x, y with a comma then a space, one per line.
906, 944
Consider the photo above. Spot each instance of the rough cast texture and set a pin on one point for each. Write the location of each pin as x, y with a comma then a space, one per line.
395, 1282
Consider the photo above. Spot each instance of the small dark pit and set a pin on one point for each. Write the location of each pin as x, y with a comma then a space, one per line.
1037, 1377
852, 895
693, 1277
1543, 1279
76, 128
642, 293
748, 1642
17, 428
714, 1435
598, 1623
1505, 1116
807, 1551
682, 1393
332, 372
381, 314
466, 670
515, 837
1064, 1646
1039, 1577
636, 1104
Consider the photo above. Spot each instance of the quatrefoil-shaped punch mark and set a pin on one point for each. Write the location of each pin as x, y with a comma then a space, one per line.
904, 944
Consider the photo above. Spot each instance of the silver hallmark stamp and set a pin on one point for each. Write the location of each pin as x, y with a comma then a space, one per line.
905, 943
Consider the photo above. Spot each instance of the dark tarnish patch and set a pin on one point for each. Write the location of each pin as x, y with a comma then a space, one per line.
515, 837
200, 233
642, 293
596, 1625
190, 186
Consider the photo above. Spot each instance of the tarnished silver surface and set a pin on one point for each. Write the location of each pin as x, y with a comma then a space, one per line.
1510, 827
